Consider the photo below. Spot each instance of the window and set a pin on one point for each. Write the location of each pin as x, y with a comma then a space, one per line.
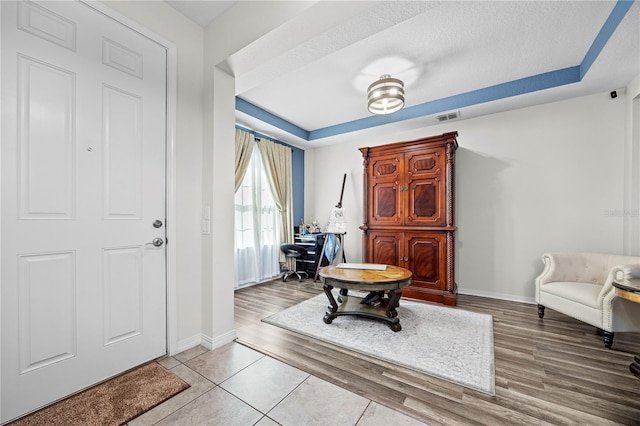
257, 248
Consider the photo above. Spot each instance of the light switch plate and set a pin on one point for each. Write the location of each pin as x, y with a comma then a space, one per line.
206, 227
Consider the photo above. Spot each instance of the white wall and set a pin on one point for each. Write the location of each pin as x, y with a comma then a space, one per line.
529, 181
188, 39
632, 167
221, 40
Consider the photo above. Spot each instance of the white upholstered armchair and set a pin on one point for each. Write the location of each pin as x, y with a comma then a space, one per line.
580, 285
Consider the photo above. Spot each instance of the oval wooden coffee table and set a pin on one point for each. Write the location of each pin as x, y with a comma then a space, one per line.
392, 279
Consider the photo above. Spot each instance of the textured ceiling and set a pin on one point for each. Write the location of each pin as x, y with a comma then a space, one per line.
201, 12
313, 70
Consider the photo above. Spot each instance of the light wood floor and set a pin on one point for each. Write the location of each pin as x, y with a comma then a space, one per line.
552, 371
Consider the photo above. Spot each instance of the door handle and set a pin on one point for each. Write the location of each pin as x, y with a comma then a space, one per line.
157, 242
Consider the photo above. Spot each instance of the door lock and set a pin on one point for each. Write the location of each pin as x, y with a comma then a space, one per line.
157, 242
157, 224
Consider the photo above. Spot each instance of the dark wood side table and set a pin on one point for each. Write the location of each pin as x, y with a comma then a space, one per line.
630, 290
392, 279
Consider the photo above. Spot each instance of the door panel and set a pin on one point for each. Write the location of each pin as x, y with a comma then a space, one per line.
385, 248
83, 180
425, 201
47, 147
425, 197
385, 203
122, 287
47, 309
425, 163
426, 253
385, 190
122, 157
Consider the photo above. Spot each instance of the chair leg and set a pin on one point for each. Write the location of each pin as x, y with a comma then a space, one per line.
540, 311
608, 339
286, 275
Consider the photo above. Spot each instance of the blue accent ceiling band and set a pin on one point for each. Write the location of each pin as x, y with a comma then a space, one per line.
615, 17
267, 117
521, 86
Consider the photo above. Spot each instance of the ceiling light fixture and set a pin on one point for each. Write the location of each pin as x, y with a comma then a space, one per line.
386, 95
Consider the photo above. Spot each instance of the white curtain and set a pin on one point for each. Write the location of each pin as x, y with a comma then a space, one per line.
257, 245
277, 162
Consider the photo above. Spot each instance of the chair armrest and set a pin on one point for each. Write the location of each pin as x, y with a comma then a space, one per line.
617, 273
628, 271
549, 274
608, 291
550, 270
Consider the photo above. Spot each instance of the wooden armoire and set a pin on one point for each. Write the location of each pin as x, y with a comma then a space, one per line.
408, 213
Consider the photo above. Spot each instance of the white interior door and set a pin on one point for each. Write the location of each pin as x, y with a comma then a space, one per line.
83, 196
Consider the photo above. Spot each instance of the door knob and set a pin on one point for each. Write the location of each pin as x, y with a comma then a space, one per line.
157, 242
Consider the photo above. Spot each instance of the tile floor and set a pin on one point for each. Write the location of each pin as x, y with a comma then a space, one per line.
235, 385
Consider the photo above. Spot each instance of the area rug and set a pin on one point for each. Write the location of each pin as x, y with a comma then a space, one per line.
113, 402
444, 342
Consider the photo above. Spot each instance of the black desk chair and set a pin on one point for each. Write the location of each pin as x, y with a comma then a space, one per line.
293, 251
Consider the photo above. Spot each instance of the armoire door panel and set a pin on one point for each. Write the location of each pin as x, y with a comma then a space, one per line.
385, 191
386, 168
425, 202
385, 248
423, 163
426, 254
385, 203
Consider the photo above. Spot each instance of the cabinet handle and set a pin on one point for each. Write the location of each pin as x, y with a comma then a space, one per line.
406, 259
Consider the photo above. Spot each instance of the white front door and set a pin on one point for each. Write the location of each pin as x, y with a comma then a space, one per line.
83, 200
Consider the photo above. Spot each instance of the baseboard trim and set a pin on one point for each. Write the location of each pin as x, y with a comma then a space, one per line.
187, 343
215, 342
500, 296
206, 341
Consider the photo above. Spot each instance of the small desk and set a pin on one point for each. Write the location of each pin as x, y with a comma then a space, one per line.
630, 290
393, 279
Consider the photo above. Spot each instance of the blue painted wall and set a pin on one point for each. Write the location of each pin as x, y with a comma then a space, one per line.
297, 171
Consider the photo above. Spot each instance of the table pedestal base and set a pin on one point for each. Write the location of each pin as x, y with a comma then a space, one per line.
350, 305
634, 367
